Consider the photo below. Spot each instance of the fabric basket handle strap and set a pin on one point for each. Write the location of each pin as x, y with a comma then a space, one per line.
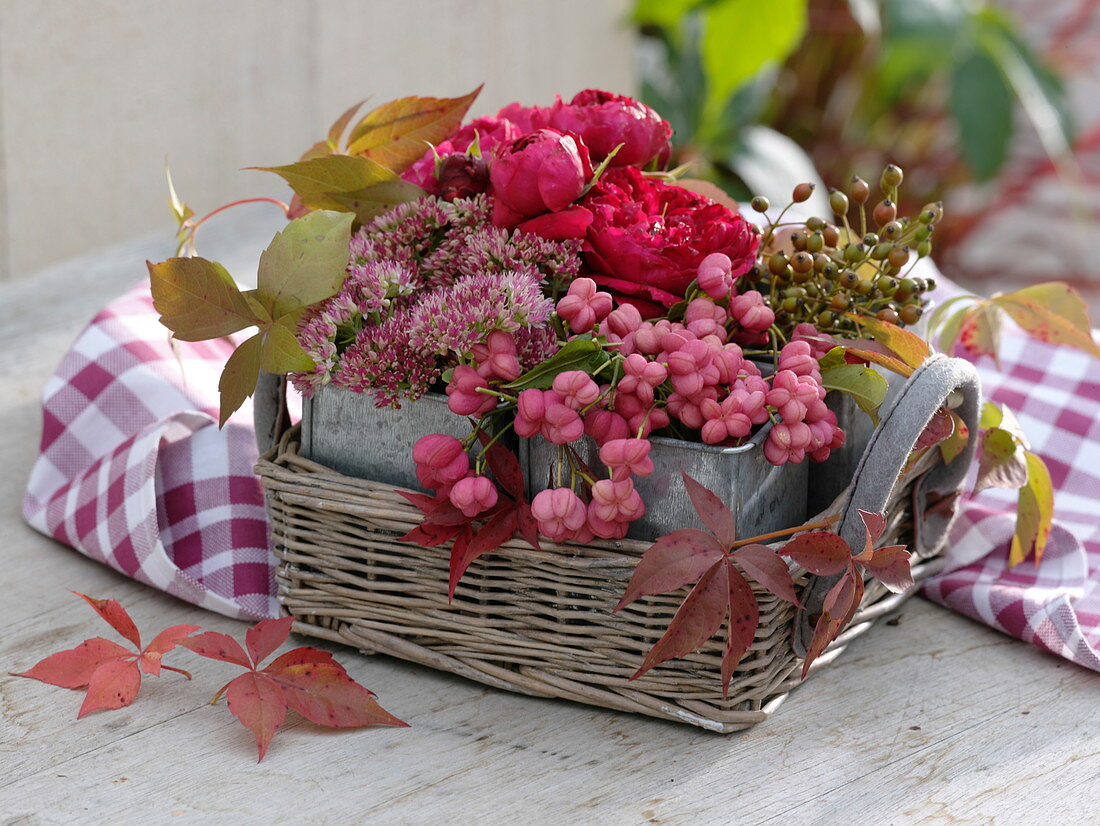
269, 411
940, 380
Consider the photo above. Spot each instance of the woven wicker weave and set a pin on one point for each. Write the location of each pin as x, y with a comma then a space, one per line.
540, 622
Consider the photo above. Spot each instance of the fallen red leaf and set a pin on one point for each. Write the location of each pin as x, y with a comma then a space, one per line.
307, 680
110, 672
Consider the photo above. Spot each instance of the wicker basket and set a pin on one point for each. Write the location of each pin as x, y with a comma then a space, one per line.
540, 622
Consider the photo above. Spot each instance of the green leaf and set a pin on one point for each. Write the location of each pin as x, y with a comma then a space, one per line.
862, 383
1034, 513
1002, 462
740, 40
981, 103
991, 416
239, 377
198, 299
834, 358
398, 133
305, 263
281, 352
578, 354
373, 200
317, 179
954, 444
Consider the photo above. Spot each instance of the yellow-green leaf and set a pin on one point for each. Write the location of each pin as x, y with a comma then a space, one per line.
281, 352
862, 383
1051, 313
316, 179
239, 377
980, 333
991, 416
197, 299
377, 198
305, 263
336, 131
909, 347
1034, 513
398, 133
892, 364
1002, 463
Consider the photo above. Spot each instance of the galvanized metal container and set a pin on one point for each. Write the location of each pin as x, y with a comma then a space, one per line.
829, 478
348, 433
763, 497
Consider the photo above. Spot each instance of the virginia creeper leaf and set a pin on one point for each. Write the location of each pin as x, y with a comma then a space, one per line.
1034, 513
696, 621
162, 643
305, 679
712, 511
490, 536
305, 263
841, 604
372, 201
239, 376
744, 617
265, 637
315, 180
954, 444
939, 428
398, 133
819, 552
980, 332
113, 685
1002, 463
670, 563
1053, 313
890, 566
115, 615
765, 566
909, 347
863, 384
198, 299
280, 351
74, 667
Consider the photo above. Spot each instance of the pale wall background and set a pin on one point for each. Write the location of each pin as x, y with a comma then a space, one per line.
95, 93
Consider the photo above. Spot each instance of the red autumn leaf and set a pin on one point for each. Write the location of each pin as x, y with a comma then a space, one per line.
670, 563
490, 536
939, 428
307, 680
841, 604
765, 566
111, 672
115, 615
425, 503
504, 466
527, 526
696, 621
712, 510
744, 617
890, 566
819, 552
214, 645
905, 345
264, 637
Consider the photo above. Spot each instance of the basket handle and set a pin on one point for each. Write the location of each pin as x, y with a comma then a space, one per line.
269, 411
940, 380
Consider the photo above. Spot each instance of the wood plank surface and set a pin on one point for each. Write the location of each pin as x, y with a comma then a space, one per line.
934, 719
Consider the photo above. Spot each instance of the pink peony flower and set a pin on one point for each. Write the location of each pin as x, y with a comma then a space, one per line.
604, 121
526, 118
542, 172
647, 238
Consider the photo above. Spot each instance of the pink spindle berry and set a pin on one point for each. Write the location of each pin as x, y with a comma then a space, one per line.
751, 312
562, 424
624, 319
473, 495
603, 528
605, 426
787, 443
616, 501
714, 275
440, 460
641, 376
576, 388
624, 457
497, 358
463, 397
798, 357
791, 395
583, 306
725, 419
560, 513
704, 318
544, 412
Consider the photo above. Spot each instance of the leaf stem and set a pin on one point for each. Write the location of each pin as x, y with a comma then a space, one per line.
809, 526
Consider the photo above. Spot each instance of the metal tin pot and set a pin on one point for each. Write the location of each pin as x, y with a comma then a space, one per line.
763, 497
829, 478
348, 433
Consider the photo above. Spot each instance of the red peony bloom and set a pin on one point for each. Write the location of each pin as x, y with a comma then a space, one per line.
647, 237
543, 172
491, 133
604, 120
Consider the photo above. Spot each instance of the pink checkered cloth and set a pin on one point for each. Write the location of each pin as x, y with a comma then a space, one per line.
135, 473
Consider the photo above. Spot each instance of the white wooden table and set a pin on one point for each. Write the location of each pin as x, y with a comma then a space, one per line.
933, 719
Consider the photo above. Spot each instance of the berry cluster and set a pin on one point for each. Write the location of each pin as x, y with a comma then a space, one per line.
690, 378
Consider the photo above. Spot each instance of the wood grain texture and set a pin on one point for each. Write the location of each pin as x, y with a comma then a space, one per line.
936, 719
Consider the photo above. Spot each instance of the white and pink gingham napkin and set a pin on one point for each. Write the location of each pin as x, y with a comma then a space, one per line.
135, 473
